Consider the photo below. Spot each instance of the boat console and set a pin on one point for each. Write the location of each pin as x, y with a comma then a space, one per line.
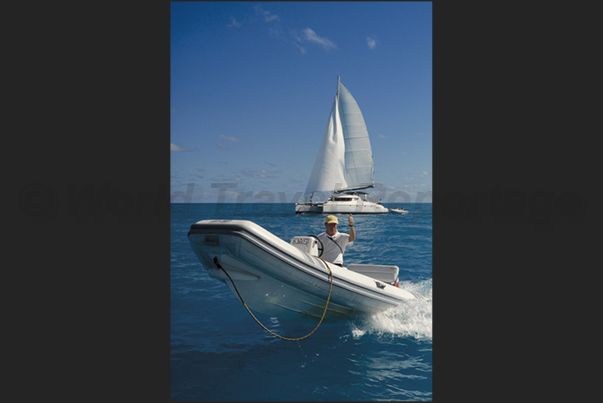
308, 244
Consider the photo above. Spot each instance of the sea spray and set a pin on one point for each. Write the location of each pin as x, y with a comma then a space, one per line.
412, 319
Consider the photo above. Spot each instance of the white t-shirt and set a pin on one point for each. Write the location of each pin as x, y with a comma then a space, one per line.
331, 252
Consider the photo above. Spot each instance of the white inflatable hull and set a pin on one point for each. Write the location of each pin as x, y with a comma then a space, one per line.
278, 279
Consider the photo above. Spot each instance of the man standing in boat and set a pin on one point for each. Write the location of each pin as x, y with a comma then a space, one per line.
335, 242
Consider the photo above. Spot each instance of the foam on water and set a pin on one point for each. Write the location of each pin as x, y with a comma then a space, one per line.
412, 319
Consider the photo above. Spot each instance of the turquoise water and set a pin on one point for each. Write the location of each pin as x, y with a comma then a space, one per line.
218, 352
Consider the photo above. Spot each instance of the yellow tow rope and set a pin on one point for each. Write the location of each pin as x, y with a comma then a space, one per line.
260, 323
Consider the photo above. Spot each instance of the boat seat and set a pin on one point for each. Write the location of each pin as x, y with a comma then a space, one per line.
385, 273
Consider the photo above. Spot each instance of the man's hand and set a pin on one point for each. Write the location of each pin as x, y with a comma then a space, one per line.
350, 220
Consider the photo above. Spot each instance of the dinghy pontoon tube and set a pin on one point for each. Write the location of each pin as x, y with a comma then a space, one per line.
284, 280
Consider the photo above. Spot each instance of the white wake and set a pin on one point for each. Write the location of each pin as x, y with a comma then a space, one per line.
413, 319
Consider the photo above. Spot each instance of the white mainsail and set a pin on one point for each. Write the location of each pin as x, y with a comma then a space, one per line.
344, 160
359, 172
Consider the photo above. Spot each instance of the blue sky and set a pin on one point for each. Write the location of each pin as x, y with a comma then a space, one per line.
252, 84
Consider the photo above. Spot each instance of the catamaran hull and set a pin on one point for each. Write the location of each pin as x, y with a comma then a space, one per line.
359, 207
305, 208
335, 207
277, 279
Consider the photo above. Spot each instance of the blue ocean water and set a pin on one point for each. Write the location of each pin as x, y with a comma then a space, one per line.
218, 352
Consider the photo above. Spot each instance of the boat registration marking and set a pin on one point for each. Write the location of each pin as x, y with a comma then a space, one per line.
304, 241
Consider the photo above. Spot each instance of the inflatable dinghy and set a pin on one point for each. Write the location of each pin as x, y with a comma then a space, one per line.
397, 210
289, 280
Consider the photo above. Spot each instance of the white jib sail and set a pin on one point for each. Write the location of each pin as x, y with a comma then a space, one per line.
328, 173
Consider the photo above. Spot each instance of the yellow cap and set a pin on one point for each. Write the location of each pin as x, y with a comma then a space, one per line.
331, 219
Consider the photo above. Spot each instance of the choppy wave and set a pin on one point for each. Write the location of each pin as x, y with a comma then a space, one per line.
412, 319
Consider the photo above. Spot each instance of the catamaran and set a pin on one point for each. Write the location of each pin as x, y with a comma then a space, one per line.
344, 164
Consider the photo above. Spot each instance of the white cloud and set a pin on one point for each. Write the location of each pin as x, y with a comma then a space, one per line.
275, 32
252, 173
174, 147
382, 136
310, 36
425, 173
302, 50
268, 16
234, 23
230, 138
371, 42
